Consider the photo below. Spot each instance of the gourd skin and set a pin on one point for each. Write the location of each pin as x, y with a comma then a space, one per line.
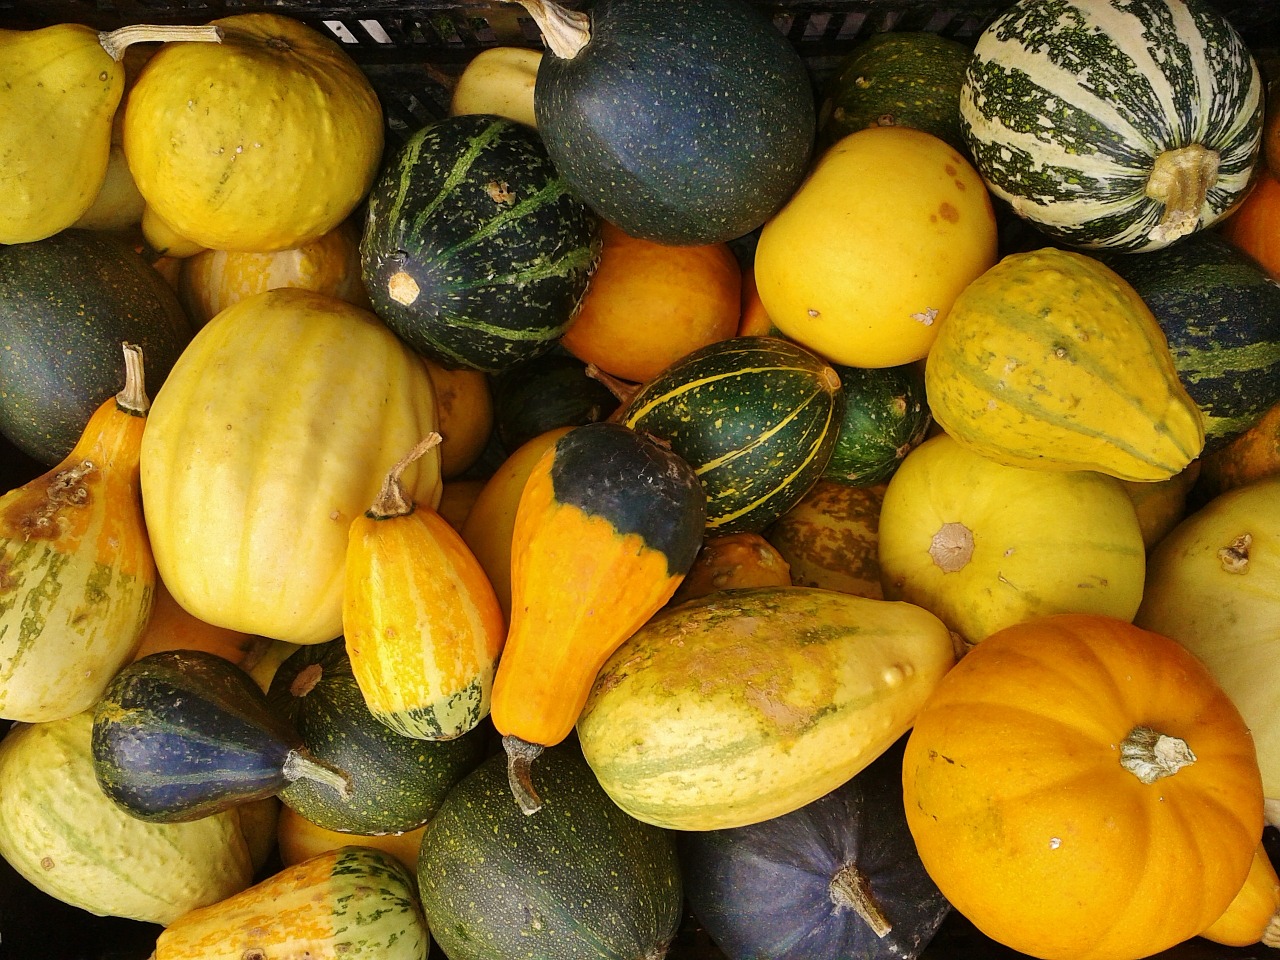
250, 479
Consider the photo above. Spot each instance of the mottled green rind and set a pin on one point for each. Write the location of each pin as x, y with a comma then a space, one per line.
381, 918
473, 210
67, 303
578, 880
756, 417
886, 415
1220, 311
397, 783
545, 393
905, 78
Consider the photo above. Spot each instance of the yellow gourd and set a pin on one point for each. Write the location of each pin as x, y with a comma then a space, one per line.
498, 80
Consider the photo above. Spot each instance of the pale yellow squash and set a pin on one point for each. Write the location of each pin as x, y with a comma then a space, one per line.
498, 80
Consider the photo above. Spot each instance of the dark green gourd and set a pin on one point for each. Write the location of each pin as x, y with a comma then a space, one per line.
181, 734
474, 249
396, 783
554, 390
679, 121
886, 415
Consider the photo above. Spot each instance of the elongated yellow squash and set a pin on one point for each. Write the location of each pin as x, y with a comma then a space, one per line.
748, 704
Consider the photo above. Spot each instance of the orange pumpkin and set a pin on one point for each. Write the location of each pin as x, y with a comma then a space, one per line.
1082, 789
1255, 225
1254, 915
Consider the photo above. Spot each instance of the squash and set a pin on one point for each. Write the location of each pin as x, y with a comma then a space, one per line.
1161, 504
984, 546
63, 84
78, 578
396, 783
756, 417
117, 207
1252, 455
63, 835
182, 734
164, 239
679, 129
498, 80
649, 304
886, 416
1114, 125
465, 411
57, 369
1213, 585
548, 392
1051, 360
863, 263
729, 561
580, 879
457, 499
462, 196
831, 538
260, 550
353, 903
209, 281
1252, 226
1253, 916
787, 693
839, 877
299, 839
608, 524
422, 623
1095, 763
170, 627
229, 161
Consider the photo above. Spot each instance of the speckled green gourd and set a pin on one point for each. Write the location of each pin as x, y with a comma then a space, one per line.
886, 415
578, 880
397, 783
66, 304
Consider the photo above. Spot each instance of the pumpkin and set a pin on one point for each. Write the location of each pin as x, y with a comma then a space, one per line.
603, 507
1096, 764
422, 623
984, 546
170, 627
1113, 124
260, 550
649, 304
1051, 360
78, 578
1253, 916
230, 162
164, 239
1252, 227
840, 269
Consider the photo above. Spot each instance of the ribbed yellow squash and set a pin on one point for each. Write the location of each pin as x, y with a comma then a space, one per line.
272, 432
1051, 360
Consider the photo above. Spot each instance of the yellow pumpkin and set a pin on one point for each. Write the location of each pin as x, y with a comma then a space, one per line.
1082, 789
261, 142
864, 261
983, 546
271, 433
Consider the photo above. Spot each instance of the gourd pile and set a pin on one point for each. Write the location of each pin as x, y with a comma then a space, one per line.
667, 490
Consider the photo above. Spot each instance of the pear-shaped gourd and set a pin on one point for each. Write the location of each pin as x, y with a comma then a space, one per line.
59, 89
77, 578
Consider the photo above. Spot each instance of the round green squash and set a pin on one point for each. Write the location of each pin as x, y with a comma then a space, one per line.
886, 415
544, 393
66, 304
577, 880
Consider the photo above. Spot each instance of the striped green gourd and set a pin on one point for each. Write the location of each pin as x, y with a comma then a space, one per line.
1219, 310
475, 251
886, 415
1121, 124
756, 417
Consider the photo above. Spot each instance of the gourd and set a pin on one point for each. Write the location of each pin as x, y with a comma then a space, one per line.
730, 561
230, 162
250, 480
170, 627
1252, 225
462, 196
886, 416
465, 411
395, 783
1114, 125
839, 877
580, 849
677, 128
63, 84
1253, 455
831, 538
353, 903
182, 734
546, 393
1122, 777
498, 80
79, 578
1050, 360
787, 693
1253, 916
982, 545
756, 417
841, 268
422, 623
605, 507
299, 839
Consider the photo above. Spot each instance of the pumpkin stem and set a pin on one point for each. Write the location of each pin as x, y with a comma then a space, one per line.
1271, 935
133, 398
1149, 755
299, 765
851, 889
1180, 179
621, 389
115, 42
952, 547
1234, 557
393, 499
565, 32
520, 757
